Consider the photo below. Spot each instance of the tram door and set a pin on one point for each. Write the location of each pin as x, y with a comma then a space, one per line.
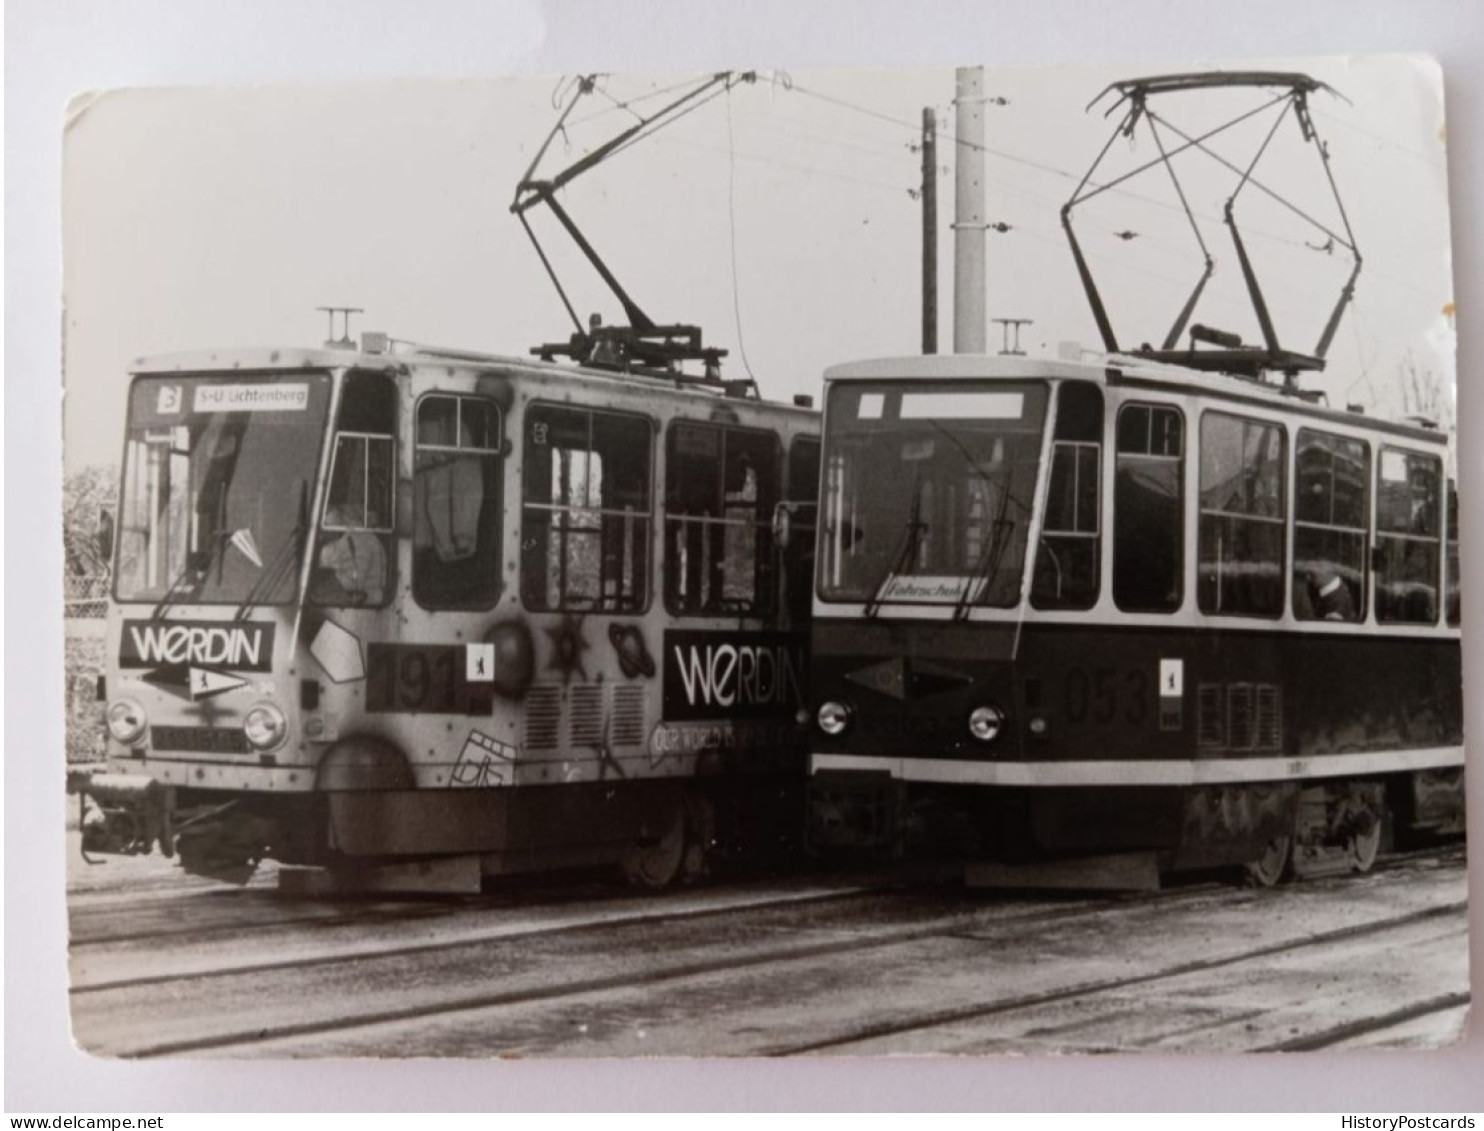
733, 648
802, 504
355, 559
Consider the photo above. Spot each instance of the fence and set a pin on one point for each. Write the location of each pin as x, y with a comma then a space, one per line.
85, 601
85, 594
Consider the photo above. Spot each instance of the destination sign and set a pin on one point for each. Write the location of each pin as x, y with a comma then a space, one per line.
278, 397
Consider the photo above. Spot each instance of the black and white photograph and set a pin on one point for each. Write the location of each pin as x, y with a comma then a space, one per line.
1155, 596
771, 563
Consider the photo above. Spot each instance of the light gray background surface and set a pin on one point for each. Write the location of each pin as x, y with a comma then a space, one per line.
57, 49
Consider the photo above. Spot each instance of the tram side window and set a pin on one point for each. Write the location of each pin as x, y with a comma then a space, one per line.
353, 556
1149, 509
1068, 559
1454, 602
721, 484
1241, 534
585, 531
1408, 537
456, 503
1331, 526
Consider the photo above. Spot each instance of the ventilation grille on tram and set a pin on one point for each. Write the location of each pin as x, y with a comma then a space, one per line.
1269, 728
1240, 716
543, 718
586, 716
628, 715
585, 713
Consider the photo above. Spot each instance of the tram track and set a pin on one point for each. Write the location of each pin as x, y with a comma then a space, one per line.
350, 911
942, 926
1082, 990
497, 934
1340, 1034
329, 917
957, 925
356, 909
361, 911
323, 920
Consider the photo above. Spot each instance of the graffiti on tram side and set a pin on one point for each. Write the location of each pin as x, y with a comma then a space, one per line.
679, 739
484, 761
730, 675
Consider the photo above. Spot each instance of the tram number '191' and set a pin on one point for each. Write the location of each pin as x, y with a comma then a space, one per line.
1106, 695
423, 678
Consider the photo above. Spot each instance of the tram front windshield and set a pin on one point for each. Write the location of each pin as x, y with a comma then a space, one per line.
928, 491
218, 479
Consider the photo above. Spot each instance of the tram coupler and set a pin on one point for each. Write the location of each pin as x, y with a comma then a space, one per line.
223, 842
122, 814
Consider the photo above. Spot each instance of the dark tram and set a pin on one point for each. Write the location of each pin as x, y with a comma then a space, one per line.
1129, 617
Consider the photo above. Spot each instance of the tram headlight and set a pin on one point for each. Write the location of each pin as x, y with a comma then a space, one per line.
265, 726
985, 722
833, 717
126, 721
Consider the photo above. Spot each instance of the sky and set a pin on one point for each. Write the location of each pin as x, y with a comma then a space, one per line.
780, 217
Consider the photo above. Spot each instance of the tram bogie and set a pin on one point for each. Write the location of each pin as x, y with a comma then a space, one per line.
381, 610
1067, 610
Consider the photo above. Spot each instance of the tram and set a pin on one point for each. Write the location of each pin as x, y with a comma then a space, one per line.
415, 616
1131, 617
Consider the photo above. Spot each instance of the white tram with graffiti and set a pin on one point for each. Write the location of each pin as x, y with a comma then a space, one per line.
419, 616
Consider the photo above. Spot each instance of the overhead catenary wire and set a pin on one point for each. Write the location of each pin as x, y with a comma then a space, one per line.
1379, 139
1180, 207
628, 104
898, 188
1360, 357
689, 110
914, 129
617, 105
873, 144
1030, 229
873, 151
1031, 163
1374, 272
732, 229
1219, 297
1040, 166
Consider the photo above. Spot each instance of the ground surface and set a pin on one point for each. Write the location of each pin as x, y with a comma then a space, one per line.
163, 964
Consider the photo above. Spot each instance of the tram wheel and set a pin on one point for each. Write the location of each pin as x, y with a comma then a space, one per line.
1364, 847
659, 864
1272, 866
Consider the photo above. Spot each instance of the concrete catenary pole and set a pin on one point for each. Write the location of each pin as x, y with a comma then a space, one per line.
969, 330
929, 231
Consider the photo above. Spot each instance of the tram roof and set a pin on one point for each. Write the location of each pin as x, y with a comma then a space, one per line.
400, 355
1119, 371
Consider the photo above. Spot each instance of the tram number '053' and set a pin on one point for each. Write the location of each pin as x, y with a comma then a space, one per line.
423, 678
1106, 695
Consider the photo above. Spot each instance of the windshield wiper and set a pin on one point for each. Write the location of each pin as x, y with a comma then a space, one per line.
281, 562
196, 564
911, 539
987, 568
